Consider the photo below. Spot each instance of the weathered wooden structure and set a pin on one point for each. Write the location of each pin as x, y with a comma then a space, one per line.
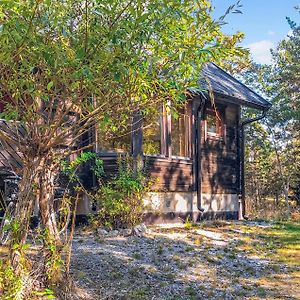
197, 157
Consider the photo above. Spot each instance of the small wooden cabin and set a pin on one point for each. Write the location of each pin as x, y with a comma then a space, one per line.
196, 157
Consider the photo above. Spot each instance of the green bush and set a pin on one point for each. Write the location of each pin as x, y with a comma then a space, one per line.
120, 201
10, 283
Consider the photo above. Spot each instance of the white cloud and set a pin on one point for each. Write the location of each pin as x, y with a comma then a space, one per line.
270, 32
260, 51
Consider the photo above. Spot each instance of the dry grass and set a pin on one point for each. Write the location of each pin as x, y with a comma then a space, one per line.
212, 260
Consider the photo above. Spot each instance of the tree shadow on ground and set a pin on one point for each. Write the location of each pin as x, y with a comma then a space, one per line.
178, 264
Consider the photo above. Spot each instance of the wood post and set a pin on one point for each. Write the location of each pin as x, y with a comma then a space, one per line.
137, 141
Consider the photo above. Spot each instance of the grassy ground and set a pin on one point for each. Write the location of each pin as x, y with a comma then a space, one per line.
279, 242
212, 260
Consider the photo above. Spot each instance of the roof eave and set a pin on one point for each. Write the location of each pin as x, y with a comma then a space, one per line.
234, 100
243, 102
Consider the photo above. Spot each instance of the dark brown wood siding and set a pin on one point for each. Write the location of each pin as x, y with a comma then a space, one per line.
169, 174
219, 156
110, 166
10, 158
172, 174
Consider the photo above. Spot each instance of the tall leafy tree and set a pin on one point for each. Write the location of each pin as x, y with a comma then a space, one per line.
68, 65
280, 83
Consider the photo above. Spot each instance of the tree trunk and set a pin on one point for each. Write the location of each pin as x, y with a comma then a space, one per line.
276, 200
24, 207
46, 198
52, 242
286, 197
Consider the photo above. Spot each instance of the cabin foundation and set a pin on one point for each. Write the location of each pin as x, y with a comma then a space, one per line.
177, 207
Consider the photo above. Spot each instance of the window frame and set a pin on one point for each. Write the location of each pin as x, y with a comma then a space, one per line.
187, 110
94, 136
220, 125
166, 134
163, 135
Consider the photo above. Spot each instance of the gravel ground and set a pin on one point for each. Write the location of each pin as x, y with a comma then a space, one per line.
208, 261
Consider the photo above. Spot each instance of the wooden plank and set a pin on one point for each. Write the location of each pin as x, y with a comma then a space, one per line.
9, 161
168, 160
171, 188
172, 175
219, 189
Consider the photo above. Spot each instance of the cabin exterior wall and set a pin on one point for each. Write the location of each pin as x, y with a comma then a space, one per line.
175, 194
202, 185
219, 155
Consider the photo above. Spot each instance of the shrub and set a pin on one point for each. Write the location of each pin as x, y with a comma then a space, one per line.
120, 201
11, 285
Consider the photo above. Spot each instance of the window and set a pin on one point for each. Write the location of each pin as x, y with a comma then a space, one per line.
213, 124
180, 133
152, 135
114, 139
167, 135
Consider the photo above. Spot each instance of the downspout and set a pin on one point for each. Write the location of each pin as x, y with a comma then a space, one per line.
199, 113
241, 200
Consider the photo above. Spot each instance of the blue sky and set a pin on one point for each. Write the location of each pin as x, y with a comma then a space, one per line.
263, 22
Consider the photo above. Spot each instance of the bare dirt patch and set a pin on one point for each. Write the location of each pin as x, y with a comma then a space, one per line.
223, 260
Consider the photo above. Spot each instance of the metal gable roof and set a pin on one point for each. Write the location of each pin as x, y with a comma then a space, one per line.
224, 84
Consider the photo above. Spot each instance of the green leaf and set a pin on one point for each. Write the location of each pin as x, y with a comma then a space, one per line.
25, 246
15, 246
50, 85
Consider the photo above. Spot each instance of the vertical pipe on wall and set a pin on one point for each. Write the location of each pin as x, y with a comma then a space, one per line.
198, 150
168, 133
